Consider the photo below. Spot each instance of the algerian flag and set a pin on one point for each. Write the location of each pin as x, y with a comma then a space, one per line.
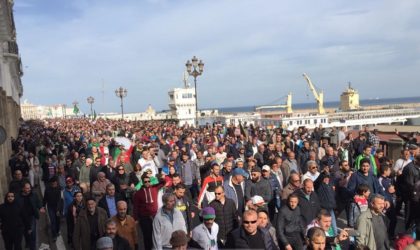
94, 115
75, 109
49, 112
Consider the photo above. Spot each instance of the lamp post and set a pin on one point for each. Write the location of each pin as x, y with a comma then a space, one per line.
121, 93
195, 68
91, 100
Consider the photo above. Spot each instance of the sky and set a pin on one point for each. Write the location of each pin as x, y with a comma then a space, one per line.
254, 51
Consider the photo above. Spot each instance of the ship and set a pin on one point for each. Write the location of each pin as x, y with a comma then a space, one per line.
349, 114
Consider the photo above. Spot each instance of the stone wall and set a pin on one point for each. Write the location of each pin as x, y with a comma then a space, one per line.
9, 120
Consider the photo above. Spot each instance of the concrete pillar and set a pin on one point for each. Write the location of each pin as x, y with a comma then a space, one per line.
394, 148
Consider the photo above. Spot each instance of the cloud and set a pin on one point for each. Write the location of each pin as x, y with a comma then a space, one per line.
254, 51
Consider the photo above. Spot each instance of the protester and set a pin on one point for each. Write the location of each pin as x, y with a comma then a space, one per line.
118, 242
89, 226
126, 225
12, 226
226, 214
248, 236
166, 221
290, 228
372, 225
205, 234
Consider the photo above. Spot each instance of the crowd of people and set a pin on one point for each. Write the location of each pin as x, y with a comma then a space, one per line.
155, 185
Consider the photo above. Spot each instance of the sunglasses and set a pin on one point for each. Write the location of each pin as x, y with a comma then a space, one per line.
249, 222
218, 193
146, 181
120, 169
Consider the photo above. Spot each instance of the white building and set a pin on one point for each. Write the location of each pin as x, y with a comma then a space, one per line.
182, 105
32, 111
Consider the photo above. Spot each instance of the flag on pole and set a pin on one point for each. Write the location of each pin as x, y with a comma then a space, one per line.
49, 112
75, 109
94, 115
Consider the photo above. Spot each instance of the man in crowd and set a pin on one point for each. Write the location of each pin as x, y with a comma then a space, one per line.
235, 188
226, 214
249, 236
126, 225
205, 234
32, 207
258, 186
290, 228
118, 242
90, 226
190, 174
109, 201
167, 220
145, 207
308, 201
294, 184
209, 185
372, 225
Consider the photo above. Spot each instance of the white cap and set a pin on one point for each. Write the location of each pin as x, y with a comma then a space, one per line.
257, 199
266, 168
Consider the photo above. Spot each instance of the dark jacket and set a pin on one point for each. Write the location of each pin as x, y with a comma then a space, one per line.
308, 208
358, 178
11, 217
409, 177
261, 188
81, 234
52, 197
35, 204
103, 204
237, 240
120, 243
289, 223
226, 217
325, 192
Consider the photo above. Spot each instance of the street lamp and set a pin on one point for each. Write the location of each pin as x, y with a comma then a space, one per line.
91, 100
121, 93
195, 68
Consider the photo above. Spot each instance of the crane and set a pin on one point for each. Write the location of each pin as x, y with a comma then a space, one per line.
319, 96
288, 105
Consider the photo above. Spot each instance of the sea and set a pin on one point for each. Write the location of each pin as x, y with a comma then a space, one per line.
335, 104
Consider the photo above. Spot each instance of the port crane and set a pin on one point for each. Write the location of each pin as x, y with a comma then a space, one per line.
319, 95
287, 106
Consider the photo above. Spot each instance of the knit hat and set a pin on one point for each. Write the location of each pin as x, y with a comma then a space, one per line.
178, 238
208, 213
104, 243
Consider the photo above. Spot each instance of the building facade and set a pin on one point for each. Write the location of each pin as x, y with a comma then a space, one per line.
31, 111
182, 105
10, 88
